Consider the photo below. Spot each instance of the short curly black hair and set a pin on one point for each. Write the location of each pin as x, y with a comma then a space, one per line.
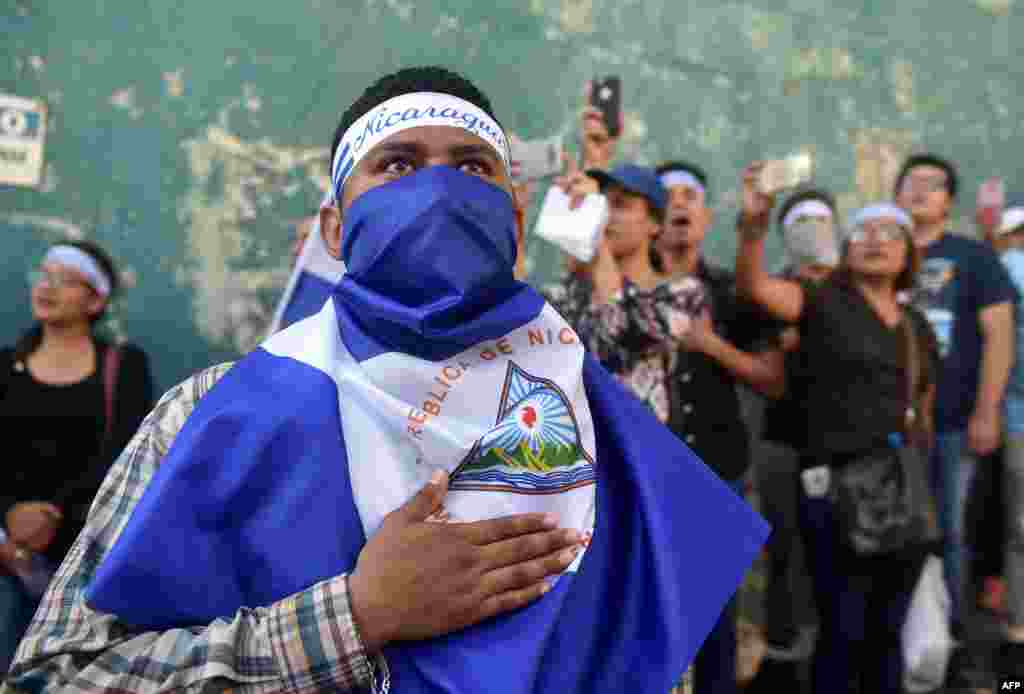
928, 159
431, 78
802, 194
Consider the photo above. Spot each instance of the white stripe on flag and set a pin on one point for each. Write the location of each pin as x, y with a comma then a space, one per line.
314, 259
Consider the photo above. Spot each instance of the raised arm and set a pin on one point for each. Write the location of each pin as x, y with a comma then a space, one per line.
783, 299
763, 369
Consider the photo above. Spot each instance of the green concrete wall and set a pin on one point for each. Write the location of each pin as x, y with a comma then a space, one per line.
188, 136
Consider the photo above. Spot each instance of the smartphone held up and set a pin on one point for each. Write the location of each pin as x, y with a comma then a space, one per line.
606, 97
785, 174
533, 160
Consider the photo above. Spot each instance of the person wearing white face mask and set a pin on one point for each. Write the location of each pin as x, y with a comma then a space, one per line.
69, 402
806, 222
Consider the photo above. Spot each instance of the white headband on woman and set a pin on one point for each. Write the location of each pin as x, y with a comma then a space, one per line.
807, 208
681, 178
412, 111
78, 259
882, 210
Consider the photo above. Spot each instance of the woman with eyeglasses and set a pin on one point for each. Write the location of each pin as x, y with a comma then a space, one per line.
867, 365
70, 402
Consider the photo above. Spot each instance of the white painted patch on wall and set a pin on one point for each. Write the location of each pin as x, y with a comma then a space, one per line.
229, 306
50, 179
902, 76
996, 7
125, 99
174, 82
55, 227
576, 16
251, 98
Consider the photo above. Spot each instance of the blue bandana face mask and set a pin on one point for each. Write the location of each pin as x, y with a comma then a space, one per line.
433, 235
428, 252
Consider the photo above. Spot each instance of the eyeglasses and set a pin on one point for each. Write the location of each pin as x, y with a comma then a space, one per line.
929, 184
882, 232
53, 279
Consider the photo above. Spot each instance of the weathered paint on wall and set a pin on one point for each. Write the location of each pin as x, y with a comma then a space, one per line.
187, 137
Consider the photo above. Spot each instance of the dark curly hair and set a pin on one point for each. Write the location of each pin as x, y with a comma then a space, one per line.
952, 181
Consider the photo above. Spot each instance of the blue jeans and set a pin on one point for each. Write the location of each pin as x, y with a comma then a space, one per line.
953, 467
16, 609
715, 664
862, 603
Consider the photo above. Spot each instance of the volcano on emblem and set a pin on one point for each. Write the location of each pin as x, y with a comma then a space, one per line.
534, 446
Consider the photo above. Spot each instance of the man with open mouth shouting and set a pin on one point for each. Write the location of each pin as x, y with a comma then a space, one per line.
367, 499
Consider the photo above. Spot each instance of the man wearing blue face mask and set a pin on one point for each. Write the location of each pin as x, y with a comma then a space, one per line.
377, 482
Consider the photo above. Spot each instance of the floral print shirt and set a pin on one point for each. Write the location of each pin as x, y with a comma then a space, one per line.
636, 335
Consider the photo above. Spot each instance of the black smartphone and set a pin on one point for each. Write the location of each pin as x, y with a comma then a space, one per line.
606, 96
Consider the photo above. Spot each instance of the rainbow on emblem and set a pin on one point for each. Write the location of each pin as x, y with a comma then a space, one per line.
534, 447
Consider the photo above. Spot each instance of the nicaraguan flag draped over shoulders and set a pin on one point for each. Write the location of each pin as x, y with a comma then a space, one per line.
295, 456
310, 283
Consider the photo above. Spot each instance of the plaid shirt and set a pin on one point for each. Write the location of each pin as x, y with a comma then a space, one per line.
306, 642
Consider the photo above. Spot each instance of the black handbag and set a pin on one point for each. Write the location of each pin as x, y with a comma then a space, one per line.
882, 499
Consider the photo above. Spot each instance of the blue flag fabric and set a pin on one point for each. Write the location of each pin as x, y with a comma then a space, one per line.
310, 284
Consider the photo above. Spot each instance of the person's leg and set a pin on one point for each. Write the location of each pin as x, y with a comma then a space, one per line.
985, 534
841, 606
15, 614
1011, 656
715, 665
777, 474
777, 489
714, 670
956, 471
891, 589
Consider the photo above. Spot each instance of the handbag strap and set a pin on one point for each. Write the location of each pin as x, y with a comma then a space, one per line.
112, 362
913, 368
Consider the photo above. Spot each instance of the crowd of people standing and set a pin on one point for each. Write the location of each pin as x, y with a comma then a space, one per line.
889, 342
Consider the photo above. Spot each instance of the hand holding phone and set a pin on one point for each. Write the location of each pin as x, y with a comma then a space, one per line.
606, 97
785, 174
